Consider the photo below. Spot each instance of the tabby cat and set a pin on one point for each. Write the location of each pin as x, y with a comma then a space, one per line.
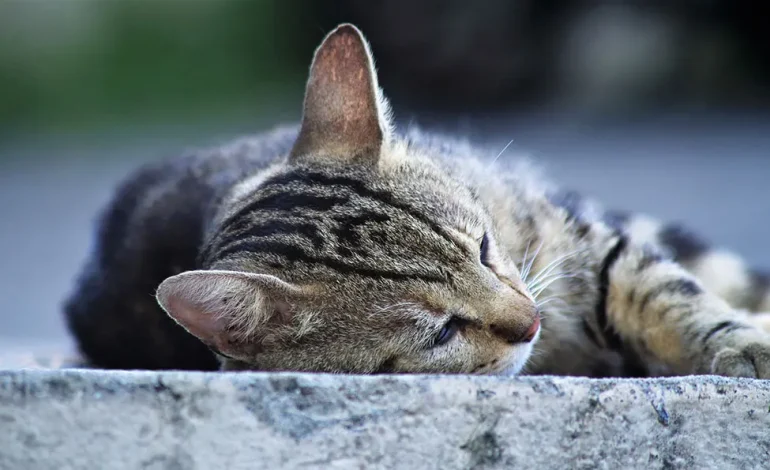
341, 246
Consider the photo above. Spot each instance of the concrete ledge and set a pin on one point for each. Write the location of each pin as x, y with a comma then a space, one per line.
73, 419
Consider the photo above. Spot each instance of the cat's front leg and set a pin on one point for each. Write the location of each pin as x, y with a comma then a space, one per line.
661, 311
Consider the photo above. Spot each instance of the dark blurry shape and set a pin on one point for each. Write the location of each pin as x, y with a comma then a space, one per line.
595, 56
455, 53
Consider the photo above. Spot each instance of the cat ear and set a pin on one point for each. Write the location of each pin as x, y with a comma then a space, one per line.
227, 309
344, 116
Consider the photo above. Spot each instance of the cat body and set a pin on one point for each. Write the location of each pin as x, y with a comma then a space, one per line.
343, 246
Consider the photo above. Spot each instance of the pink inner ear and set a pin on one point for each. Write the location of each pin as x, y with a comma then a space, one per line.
340, 116
197, 300
206, 326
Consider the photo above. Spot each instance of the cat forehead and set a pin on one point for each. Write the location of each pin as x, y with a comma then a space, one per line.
308, 222
318, 196
411, 173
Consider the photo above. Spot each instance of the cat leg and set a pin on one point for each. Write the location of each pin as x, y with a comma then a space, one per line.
721, 272
666, 315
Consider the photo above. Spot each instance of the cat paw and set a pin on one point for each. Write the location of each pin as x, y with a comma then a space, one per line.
750, 360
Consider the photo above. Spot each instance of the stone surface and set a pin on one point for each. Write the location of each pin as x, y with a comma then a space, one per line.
72, 419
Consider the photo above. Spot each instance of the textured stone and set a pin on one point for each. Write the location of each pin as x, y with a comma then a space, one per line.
72, 419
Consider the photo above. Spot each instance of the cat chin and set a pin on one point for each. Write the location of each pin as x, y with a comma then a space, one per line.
518, 357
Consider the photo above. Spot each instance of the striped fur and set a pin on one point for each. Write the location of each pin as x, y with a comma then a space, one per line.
343, 246
721, 272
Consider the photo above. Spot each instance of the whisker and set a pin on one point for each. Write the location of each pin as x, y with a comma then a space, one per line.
551, 280
548, 280
553, 265
524, 262
500, 154
531, 263
548, 300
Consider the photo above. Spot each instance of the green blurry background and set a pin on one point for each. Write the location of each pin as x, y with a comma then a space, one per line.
73, 65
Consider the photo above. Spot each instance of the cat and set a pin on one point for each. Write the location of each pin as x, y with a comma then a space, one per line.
343, 246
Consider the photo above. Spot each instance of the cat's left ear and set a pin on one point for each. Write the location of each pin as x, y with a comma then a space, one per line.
345, 116
231, 312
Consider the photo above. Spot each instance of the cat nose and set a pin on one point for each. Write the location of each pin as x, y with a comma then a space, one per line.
532, 331
518, 333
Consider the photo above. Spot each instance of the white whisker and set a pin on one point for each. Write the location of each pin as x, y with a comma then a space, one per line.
551, 280
553, 265
500, 154
548, 300
524, 261
546, 280
536, 286
528, 268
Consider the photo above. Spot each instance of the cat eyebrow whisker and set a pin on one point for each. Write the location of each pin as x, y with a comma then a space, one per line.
500, 154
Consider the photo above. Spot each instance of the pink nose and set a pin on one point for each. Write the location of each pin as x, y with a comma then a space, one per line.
532, 331
517, 333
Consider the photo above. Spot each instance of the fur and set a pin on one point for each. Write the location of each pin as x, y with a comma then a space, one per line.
343, 246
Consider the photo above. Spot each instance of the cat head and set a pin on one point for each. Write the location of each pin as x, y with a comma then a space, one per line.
357, 253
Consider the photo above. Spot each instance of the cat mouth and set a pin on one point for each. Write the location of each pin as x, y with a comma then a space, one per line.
516, 359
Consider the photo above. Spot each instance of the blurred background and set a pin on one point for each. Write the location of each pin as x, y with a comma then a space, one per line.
655, 106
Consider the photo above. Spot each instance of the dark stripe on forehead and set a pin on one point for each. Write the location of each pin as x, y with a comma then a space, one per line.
234, 227
360, 188
294, 253
347, 233
275, 227
285, 200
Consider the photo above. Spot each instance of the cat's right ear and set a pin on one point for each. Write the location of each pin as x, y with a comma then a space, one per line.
345, 116
228, 310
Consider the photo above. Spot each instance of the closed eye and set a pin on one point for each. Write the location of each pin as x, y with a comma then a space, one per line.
484, 250
448, 331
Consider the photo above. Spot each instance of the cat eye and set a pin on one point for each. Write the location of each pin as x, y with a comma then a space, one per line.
484, 249
448, 331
